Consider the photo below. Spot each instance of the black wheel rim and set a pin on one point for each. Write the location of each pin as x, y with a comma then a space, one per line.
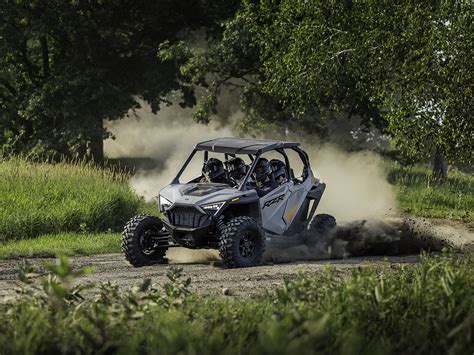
148, 242
247, 245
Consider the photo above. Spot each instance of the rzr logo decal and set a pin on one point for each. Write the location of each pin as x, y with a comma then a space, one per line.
273, 201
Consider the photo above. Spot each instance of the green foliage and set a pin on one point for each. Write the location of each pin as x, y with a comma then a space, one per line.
40, 198
404, 67
420, 194
426, 307
70, 244
66, 66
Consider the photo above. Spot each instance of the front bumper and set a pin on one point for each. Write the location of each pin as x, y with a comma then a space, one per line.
190, 226
197, 231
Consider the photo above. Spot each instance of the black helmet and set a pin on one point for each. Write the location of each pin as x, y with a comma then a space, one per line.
213, 169
278, 167
262, 169
236, 168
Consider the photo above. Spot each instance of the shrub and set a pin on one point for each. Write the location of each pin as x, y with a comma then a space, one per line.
424, 308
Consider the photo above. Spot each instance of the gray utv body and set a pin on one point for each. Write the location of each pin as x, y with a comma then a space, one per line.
218, 216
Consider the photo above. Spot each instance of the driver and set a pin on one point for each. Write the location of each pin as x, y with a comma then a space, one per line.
279, 171
213, 171
264, 177
237, 169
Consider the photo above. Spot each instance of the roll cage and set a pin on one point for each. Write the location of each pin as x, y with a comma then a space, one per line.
253, 148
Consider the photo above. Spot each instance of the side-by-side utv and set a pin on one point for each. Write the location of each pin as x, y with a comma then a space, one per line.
230, 217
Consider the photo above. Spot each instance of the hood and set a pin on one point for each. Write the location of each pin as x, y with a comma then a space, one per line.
200, 194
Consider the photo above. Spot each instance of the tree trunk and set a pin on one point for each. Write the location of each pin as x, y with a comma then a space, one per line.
440, 168
95, 147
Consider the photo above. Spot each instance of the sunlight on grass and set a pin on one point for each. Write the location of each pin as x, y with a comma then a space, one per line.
419, 194
41, 198
62, 244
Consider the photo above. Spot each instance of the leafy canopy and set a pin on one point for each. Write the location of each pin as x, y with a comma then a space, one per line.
405, 67
65, 66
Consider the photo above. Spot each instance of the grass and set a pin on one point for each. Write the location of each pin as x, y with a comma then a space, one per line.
420, 194
422, 308
68, 243
40, 198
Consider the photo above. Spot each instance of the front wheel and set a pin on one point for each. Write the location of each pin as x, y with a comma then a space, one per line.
144, 241
242, 243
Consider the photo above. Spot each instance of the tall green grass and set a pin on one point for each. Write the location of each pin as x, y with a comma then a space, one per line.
420, 194
41, 198
425, 308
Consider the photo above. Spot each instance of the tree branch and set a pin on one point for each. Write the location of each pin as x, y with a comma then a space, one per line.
7, 85
342, 52
5, 98
27, 63
45, 55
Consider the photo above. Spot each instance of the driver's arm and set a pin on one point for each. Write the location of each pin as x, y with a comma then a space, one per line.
262, 191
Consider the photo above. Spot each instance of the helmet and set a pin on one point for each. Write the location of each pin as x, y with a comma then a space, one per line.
278, 167
213, 169
236, 167
262, 169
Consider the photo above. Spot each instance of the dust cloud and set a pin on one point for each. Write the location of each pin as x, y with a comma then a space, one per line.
182, 256
388, 237
166, 137
356, 184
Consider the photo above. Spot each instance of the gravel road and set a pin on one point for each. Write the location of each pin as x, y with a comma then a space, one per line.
209, 277
206, 277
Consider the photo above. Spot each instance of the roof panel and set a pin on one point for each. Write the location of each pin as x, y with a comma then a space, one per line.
242, 145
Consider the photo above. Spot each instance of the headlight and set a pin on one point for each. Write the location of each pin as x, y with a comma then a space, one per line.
164, 204
213, 207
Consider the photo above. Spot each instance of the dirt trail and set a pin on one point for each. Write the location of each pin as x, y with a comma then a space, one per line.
207, 278
401, 239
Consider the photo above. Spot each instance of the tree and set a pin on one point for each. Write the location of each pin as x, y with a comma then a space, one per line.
430, 97
65, 66
251, 55
404, 67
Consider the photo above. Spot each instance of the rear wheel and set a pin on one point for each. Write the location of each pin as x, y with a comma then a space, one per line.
144, 241
322, 237
322, 224
242, 243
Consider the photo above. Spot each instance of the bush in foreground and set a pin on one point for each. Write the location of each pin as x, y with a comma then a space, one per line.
40, 198
424, 308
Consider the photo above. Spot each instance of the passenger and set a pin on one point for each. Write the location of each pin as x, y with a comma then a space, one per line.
237, 170
213, 171
279, 171
264, 177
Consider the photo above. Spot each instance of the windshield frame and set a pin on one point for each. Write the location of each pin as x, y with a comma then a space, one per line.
240, 187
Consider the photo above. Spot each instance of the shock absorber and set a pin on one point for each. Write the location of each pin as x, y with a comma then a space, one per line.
220, 224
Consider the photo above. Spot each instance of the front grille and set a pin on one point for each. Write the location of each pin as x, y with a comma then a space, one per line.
184, 216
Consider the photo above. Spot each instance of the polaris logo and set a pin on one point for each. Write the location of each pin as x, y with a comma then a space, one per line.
273, 201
